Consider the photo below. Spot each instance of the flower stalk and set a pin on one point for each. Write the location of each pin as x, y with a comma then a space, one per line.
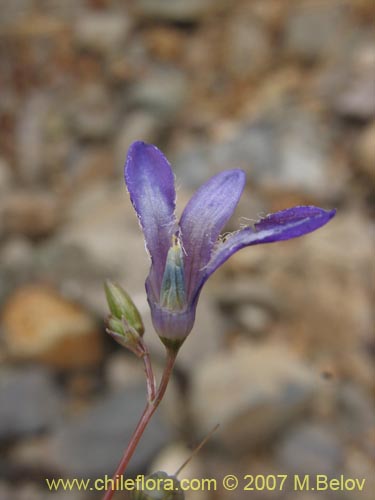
146, 416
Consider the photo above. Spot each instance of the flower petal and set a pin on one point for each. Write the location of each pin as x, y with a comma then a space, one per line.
283, 225
150, 183
204, 217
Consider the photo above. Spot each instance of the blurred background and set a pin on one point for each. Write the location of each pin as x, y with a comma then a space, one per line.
282, 351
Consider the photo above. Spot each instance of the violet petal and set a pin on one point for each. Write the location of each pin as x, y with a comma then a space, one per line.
204, 217
279, 226
150, 182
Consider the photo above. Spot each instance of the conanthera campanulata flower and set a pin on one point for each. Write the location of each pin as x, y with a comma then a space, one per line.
185, 253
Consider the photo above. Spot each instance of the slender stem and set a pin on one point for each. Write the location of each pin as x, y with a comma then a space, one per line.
144, 420
150, 379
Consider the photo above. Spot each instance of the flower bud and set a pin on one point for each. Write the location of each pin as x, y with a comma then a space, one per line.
122, 306
124, 334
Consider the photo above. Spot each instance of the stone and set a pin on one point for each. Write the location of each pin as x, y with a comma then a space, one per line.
40, 325
138, 125
91, 445
254, 319
105, 32
349, 86
6, 177
248, 50
178, 10
29, 402
125, 371
34, 214
93, 113
252, 391
365, 152
161, 91
310, 449
307, 19
30, 137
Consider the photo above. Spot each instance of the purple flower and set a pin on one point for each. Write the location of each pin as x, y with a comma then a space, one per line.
184, 254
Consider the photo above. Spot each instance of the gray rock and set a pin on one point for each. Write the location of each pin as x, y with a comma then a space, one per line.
6, 176
252, 391
286, 150
308, 32
29, 402
91, 445
30, 135
178, 10
31, 213
254, 319
365, 152
356, 410
249, 50
102, 31
310, 449
93, 113
138, 125
161, 91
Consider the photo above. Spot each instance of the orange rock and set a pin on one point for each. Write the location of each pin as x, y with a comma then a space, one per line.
41, 325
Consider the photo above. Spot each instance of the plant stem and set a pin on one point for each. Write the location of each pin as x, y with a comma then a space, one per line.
144, 420
151, 389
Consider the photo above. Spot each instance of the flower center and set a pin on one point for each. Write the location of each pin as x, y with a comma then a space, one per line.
173, 293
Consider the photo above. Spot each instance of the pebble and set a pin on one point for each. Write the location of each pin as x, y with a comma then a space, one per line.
105, 32
162, 91
249, 49
307, 19
91, 445
178, 10
311, 449
93, 113
138, 125
41, 325
29, 402
6, 177
365, 152
34, 214
252, 391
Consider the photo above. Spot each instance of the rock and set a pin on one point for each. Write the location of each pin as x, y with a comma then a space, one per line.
5, 177
30, 137
285, 150
252, 391
248, 50
178, 10
365, 152
124, 371
349, 87
24, 410
93, 112
34, 214
254, 319
356, 410
41, 325
161, 91
105, 32
310, 449
92, 444
309, 18
138, 125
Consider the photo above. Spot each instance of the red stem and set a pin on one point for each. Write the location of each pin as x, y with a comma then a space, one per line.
144, 420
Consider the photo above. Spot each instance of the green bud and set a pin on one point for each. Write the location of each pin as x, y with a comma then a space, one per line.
121, 306
159, 486
124, 334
